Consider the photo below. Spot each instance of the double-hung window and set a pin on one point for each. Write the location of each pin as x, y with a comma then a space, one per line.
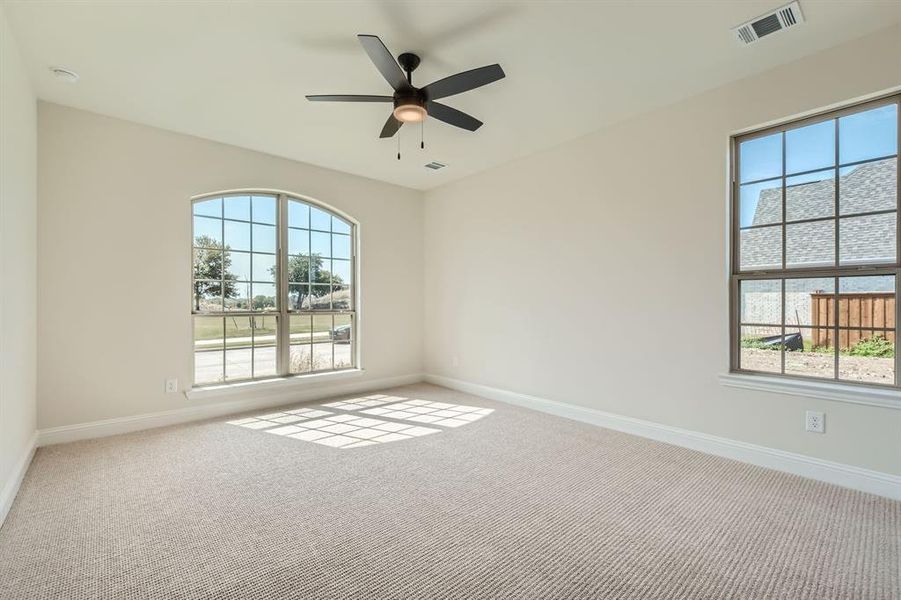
272, 288
815, 257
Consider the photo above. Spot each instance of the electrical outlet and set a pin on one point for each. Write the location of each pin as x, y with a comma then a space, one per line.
171, 386
815, 421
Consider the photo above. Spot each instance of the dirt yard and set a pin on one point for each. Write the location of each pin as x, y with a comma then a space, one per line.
815, 364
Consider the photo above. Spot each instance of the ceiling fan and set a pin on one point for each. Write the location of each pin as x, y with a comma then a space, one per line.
412, 104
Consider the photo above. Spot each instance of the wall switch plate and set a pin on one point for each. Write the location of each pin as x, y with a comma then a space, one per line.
815, 421
171, 386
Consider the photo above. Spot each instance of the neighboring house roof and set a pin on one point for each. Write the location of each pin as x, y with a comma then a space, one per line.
868, 187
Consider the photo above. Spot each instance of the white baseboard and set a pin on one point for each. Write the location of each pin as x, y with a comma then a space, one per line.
865, 480
11, 488
251, 400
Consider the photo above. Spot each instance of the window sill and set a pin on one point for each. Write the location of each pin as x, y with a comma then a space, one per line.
269, 387
826, 390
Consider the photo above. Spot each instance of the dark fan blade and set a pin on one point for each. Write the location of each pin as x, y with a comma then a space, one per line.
452, 116
383, 61
463, 82
349, 98
391, 127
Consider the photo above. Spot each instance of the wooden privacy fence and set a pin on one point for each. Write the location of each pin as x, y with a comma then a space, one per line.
862, 314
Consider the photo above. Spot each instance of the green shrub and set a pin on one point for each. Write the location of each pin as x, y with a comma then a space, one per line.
876, 346
753, 342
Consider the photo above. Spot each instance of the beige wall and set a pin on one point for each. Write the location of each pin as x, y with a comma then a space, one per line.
18, 262
550, 275
114, 260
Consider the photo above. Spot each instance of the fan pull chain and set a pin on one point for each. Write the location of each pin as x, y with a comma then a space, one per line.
398, 145
422, 134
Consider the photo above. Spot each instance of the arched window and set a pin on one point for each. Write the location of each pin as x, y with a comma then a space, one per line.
272, 289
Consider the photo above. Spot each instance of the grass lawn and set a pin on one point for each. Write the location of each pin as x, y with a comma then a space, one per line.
210, 328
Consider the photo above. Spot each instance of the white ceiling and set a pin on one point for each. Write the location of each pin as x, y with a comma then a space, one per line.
237, 72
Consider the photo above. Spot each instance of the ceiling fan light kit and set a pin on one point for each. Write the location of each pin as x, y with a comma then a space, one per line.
412, 104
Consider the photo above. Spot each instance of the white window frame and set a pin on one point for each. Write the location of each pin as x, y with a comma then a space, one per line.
283, 312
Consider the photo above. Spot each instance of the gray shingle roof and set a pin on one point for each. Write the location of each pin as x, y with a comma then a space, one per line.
868, 187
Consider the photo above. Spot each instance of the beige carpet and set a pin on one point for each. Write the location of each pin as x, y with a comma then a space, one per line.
464, 499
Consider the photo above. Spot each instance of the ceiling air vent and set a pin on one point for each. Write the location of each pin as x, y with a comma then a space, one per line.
781, 18
435, 165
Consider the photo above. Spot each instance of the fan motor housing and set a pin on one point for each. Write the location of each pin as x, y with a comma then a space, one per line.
409, 96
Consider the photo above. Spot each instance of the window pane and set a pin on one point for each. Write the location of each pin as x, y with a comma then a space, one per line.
264, 346
811, 147
238, 348
207, 232
322, 357
343, 329
761, 203
209, 208
866, 318
207, 263
322, 272
340, 226
810, 196
207, 296
298, 241
300, 360
264, 210
342, 334
208, 350
869, 187
341, 297
760, 349
298, 215
867, 356
237, 207
319, 269
867, 302
299, 269
810, 352
237, 235
264, 238
237, 295
761, 248
761, 158
320, 243
810, 301
322, 328
341, 246
301, 328
298, 296
264, 267
237, 265
263, 296
867, 239
341, 271
810, 244
869, 134
320, 298
761, 301
343, 355
320, 220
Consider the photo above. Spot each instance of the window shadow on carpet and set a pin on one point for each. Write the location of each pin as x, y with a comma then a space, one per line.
364, 421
